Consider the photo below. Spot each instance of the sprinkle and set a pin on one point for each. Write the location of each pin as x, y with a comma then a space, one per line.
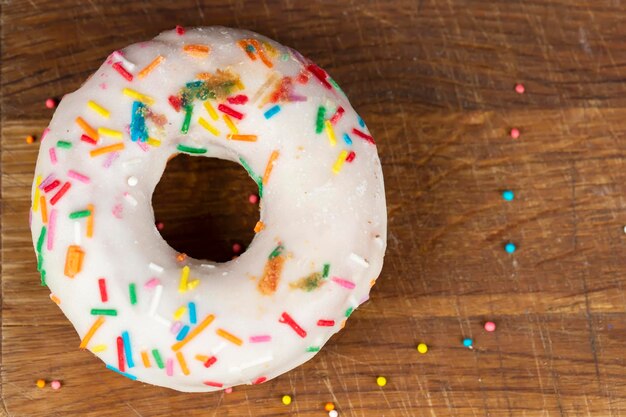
231, 126
102, 285
127, 350
422, 348
122, 71
260, 338
519, 88
51, 229
192, 312
77, 176
213, 384
508, 195
319, 120
129, 376
151, 66
169, 367
155, 267
381, 381
107, 149
490, 326
175, 102
132, 293
359, 260
88, 139
145, 359
243, 138
230, 111
182, 363
329, 406
467, 342
182, 333
92, 330
260, 226
286, 319
238, 99
189, 149
156, 299
131, 200
63, 144
340, 111
347, 139
86, 127
42, 184
138, 130
349, 312
99, 348
333, 413
98, 109
350, 156
103, 312
79, 214
515, 133
361, 122
236, 247
56, 299
320, 74
272, 111
193, 333
44, 134
51, 103
209, 361
261, 53
228, 336
276, 252
184, 276
209, 108
208, 126
325, 323
157, 358
132, 181
53, 156
286, 399
40, 383
340, 160
110, 159
510, 247
49, 187
138, 96
30, 139
77, 233
313, 349
55, 385
198, 51
180, 30
272, 272
259, 380
185, 127
44, 209
343, 283
42, 236
154, 142
270, 166
73, 260
364, 136
326, 270
36, 200
118, 55
105, 131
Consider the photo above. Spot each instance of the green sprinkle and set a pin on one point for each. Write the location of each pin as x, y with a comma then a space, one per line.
157, 358
257, 179
42, 237
189, 149
308, 283
313, 349
103, 312
133, 293
64, 144
349, 311
334, 84
276, 252
326, 270
80, 214
43, 278
319, 123
284, 57
194, 84
40, 262
187, 121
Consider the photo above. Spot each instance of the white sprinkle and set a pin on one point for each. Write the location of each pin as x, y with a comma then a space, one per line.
77, 233
131, 200
129, 66
163, 321
257, 362
155, 267
219, 347
156, 299
357, 259
132, 181
130, 162
210, 266
624, 229
333, 413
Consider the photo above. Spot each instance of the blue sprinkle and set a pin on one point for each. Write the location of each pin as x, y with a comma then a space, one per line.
127, 350
510, 247
250, 48
271, 111
192, 313
508, 195
347, 139
138, 131
468, 342
183, 333
129, 376
361, 122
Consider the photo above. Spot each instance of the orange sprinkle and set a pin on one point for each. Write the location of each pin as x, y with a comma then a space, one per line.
91, 132
44, 209
182, 362
271, 275
181, 257
145, 359
195, 332
91, 332
244, 45
202, 358
230, 337
262, 55
74, 260
244, 138
199, 51
107, 149
259, 226
148, 69
56, 299
90, 220
269, 166
30, 139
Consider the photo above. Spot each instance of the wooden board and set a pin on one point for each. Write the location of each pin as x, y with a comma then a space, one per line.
434, 81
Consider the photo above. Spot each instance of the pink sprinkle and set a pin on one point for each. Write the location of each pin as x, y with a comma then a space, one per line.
490, 326
169, 367
160, 226
52, 222
143, 145
51, 103
55, 384
515, 133
180, 30
77, 176
53, 156
519, 88
364, 299
110, 159
117, 211
46, 182
236, 247
343, 282
176, 327
103, 86
253, 198
127, 129
260, 338
43, 135
295, 97
152, 282
228, 390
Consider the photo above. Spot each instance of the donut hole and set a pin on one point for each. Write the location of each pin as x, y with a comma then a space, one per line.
203, 205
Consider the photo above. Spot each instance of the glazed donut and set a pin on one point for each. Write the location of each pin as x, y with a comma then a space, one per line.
163, 318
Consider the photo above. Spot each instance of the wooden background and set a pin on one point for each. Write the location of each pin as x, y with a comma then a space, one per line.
434, 81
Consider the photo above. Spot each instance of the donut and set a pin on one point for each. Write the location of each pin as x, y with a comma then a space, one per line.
161, 317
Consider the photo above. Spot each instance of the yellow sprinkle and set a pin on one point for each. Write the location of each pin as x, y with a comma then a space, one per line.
231, 125
208, 127
422, 348
36, 198
210, 110
148, 69
230, 337
56, 299
99, 348
145, 359
179, 313
286, 399
138, 96
339, 162
202, 358
92, 330
259, 226
98, 109
381, 381
105, 131
40, 383
184, 276
330, 133
154, 142
193, 284
182, 362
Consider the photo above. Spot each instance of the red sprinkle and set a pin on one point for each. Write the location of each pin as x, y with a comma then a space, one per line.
326, 323
51, 103
320, 74
350, 156
120, 354
340, 111
364, 136
303, 77
231, 112
213, 384
103, 290
236, 247
180, 30
259, 380
160, 226
175, 102
519, 88
238, 99
54, 184
119, 68
60, 193
515, 133
253, 198
88, 139
210, 361
286, 318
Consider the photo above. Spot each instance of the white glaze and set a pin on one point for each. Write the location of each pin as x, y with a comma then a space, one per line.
319, 216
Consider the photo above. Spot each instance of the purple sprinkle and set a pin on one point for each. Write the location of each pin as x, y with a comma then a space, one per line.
110, 159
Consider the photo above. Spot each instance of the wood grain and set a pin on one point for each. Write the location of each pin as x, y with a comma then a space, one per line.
434, 81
